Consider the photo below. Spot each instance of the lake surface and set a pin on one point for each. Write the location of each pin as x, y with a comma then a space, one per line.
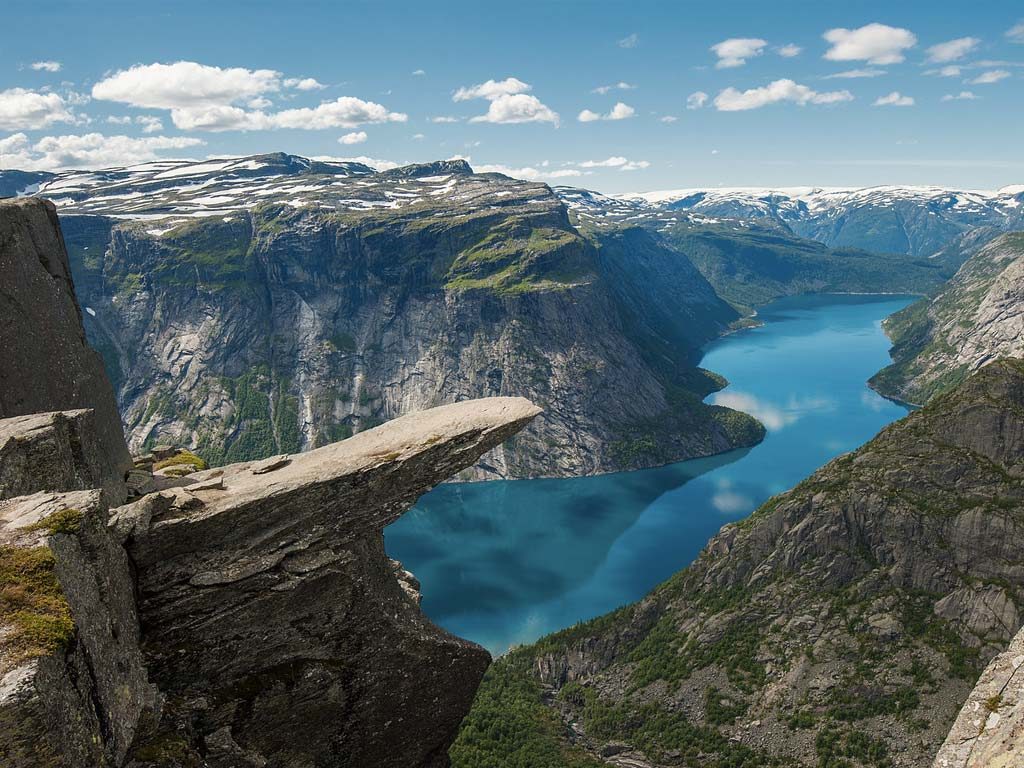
507, 562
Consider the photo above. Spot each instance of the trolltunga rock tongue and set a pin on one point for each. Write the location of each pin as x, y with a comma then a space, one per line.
272, 618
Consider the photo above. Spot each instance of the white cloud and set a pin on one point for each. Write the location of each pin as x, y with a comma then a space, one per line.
894, 99
962, 96
46, 66
92, 150
630, 41
1015, 34
418, 72
356, 137
185, 84
620, 111
373, 162
790, 50
732, 100
444, 119
344, 112
619, 163
517, 108
418, 136
119, 120
25, 110
206, 98
303, 84
668, 119
621, 86
149, 123
696, 100
987, 78
509, 102
874, 43
492, 89
529, 172
952, 50
950, 70
850, 74
735, 51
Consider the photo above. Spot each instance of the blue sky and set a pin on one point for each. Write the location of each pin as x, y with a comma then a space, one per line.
938, 99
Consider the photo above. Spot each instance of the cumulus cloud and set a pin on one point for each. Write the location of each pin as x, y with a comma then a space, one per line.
444, 119
620, 111
46, 66
517, 108
205, 98
418, 72
993, 76
356, 137
344, 112
950, 70
25, 110
696, 100
373, 162
92, 150
149, 123
894, 99
619, 163
735, 51
962, 96
952, 50
185, 84
630, 41
874, 43
668, 119
492, 89
790, 50
303, 84
1015, 34
733, 100
528, 172
850, 74
510, 102
621, 86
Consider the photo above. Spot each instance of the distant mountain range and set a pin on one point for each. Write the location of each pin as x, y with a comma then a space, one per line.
917, 221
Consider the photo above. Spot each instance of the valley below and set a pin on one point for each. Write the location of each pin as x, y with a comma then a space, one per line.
505, 562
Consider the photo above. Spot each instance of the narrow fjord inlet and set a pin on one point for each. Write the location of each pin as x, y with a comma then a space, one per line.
505, 562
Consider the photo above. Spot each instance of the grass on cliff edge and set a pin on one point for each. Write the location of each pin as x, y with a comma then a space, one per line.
32, 602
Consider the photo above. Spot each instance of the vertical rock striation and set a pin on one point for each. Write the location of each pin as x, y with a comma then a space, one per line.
47, 365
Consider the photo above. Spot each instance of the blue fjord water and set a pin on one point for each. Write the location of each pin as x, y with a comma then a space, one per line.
507, 562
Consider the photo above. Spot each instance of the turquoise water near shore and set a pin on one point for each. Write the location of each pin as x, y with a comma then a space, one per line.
507, 562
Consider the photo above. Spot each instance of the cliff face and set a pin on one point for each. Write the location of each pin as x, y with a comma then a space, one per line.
244, 616
977, 317
847, 619
989, 731
279, 313
38, 307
